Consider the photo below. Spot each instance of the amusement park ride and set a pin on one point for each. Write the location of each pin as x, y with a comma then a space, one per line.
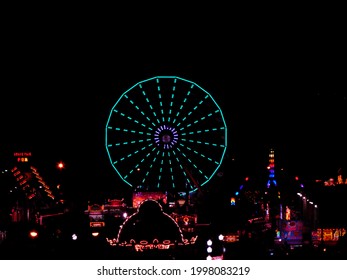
166, 138
32, 199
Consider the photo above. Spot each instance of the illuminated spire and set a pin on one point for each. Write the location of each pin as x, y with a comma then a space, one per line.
271, 168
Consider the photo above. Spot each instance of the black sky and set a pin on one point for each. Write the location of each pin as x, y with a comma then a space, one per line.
282, 87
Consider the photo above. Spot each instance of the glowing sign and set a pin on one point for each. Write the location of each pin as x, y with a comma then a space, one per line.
230, 238
139, 197
22, 154
151, 245
97, 224
292, 230
328, 234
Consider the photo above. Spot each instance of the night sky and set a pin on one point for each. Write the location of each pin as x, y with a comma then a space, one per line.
283, 88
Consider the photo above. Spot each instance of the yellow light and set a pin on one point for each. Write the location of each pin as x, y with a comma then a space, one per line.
33, 234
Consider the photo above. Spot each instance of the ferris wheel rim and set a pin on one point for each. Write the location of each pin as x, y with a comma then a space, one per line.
128, 91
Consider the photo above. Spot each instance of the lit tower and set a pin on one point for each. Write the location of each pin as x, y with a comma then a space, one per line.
274, 206
271, 168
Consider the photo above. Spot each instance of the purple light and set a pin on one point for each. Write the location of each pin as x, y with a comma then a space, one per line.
166, 136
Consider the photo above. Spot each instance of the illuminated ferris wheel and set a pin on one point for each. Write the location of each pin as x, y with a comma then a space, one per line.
166, 133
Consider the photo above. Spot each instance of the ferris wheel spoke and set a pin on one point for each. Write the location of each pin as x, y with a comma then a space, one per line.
142, 113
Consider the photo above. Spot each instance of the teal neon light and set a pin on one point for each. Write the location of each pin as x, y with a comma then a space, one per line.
166, 133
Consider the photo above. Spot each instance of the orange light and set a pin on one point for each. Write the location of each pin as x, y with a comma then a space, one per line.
95, 234
60, 165
232, 201
33, 234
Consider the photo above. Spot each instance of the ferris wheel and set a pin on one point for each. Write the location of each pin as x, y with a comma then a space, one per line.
167, 134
